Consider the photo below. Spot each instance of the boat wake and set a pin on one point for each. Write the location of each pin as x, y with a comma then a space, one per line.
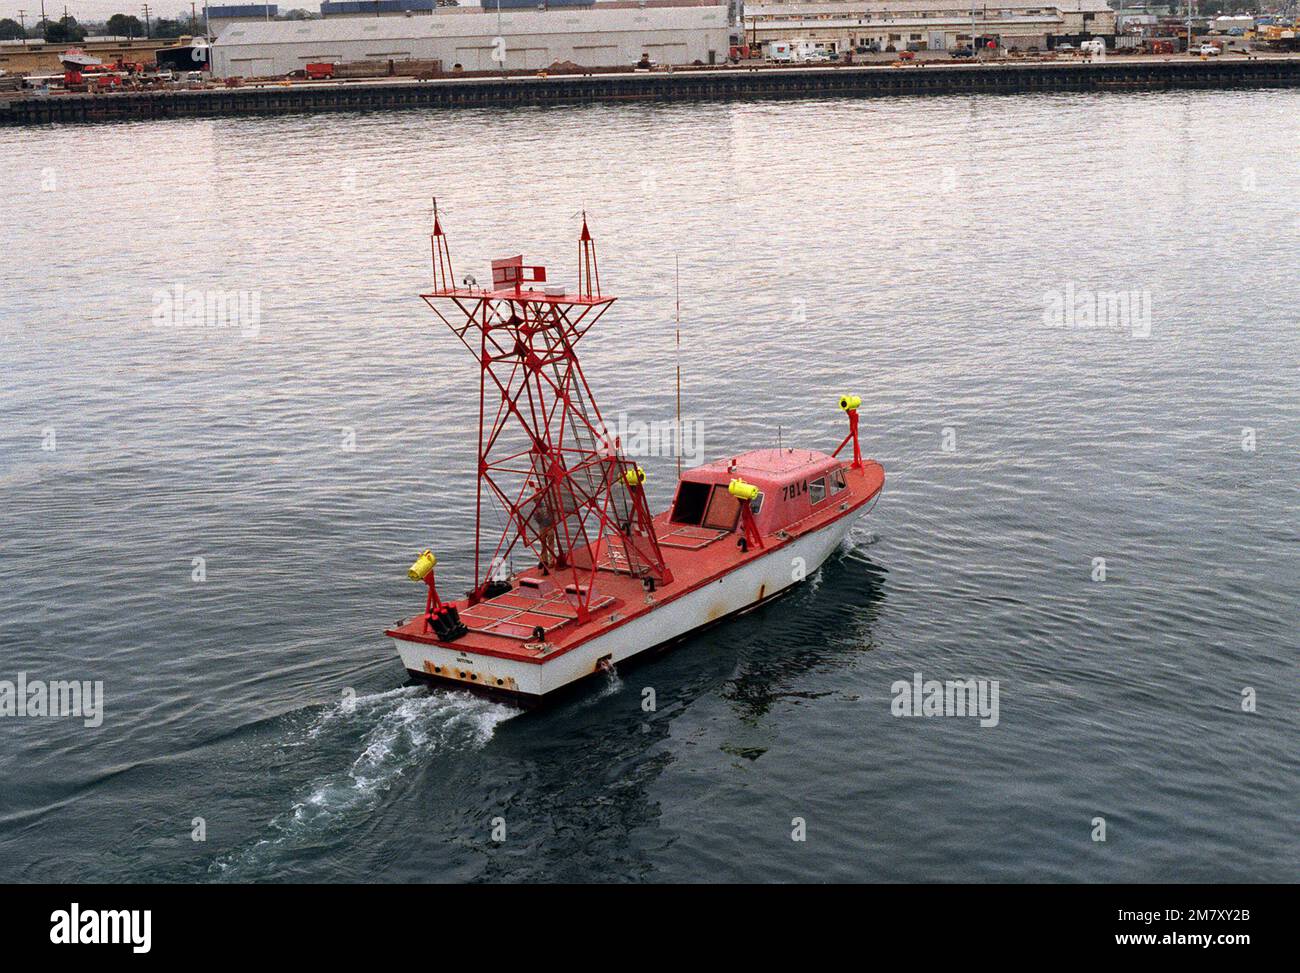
384, 734
613, 683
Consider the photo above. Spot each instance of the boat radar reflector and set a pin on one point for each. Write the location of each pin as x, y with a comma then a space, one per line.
422, 566
850, 402
741, 490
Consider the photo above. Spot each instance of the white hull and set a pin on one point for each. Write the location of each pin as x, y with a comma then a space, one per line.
735, 591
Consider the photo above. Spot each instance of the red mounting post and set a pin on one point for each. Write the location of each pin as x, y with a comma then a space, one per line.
432, 604
850, 404
853, 431
753, 539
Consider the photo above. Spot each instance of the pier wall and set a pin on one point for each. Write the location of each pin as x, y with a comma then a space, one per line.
686, 85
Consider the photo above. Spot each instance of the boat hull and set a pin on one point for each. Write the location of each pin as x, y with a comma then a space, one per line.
736, 591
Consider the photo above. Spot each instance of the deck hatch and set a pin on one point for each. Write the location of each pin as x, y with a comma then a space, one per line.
692, 498
689, 538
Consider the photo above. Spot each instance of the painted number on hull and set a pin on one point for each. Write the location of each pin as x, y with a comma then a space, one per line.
794, 490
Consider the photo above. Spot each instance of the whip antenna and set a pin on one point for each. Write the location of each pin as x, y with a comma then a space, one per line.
677, 274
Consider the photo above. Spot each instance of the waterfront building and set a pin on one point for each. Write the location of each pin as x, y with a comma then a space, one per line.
605, 35
37, 57
409, 8
843, 25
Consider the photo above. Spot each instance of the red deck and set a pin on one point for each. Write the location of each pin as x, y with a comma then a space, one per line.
503, 626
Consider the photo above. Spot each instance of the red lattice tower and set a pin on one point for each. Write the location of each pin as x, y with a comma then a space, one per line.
544, 455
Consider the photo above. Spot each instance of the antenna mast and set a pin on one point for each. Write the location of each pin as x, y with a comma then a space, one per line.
444, 277
544, 456
677, 273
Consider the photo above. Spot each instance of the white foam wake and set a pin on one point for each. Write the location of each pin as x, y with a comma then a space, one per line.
388, 733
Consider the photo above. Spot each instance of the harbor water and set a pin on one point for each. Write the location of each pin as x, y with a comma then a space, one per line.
228, 423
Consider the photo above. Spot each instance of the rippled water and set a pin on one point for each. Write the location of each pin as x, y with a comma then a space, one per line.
903, 249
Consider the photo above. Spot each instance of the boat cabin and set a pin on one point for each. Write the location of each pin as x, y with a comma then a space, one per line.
792, 484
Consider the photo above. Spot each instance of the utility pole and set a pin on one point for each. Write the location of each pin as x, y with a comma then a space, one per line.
194, 19
147, 26
22, 18
500, 39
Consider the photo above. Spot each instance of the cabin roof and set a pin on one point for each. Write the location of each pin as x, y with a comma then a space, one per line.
765, 466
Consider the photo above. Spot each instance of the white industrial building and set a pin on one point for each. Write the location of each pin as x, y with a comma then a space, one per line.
842, 25
533, 39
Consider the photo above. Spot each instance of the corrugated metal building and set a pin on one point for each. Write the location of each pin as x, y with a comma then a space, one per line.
534, 39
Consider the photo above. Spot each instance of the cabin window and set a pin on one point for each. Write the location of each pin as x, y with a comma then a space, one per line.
817, 491
756, 505
691, 500
724, 510
837, 481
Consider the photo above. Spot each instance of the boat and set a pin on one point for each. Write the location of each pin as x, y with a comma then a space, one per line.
603, 580
75, 59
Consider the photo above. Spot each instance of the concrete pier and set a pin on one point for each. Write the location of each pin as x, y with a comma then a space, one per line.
1115, 74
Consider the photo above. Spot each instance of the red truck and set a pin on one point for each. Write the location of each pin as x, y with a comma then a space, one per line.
319, 71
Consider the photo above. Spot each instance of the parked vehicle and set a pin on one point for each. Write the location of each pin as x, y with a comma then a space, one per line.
961, 52
1208, 50
780, 51
810, 51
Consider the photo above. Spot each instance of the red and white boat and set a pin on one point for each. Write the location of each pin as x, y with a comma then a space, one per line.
606, 580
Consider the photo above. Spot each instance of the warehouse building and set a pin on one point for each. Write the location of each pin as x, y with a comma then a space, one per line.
37, 57
919, 25
532, 39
